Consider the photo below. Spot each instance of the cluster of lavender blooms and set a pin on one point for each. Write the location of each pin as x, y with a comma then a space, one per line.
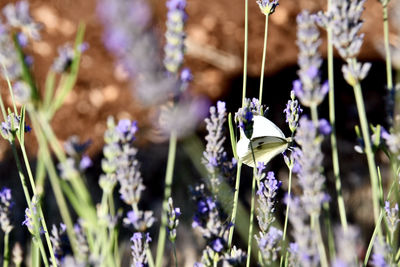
210, 218
347, 244
308, 88
303, 251
6, 205
57, 242
129, 36
14, 35
66, 55
244, 116
308, 161
77, 161
269, 236
175, 36
309, 158
215, 159
32, 219
120, 165
382, 255
62, 247
10, 127
140, 242
392, 217
173, 219
211, 221
293, 111
344, 20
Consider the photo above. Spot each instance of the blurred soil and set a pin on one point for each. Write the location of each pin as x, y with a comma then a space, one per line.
215, 32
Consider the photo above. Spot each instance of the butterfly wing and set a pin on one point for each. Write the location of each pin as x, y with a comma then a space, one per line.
265, 148
264, 127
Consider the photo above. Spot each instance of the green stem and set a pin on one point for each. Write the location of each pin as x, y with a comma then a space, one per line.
250, 238
263, 59
314, 114
10, 89
175, 257
235, 203
368, 149
167, 193
287, 213
27, 197
54, 181
320, 243
335, 155
3, 109
6, 254
377, 227
33, 186
389, 78
246, 35
288, 205
35, 254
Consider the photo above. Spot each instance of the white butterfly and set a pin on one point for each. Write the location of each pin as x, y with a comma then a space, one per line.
267, 141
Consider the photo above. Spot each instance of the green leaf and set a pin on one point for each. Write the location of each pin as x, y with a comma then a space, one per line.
232, 135
21, 130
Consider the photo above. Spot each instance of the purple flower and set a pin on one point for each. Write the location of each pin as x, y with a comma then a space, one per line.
346, 246
309, 89
6, 205
217, 245
267, 7
310, 159
382, 254
186, 75
140, 220
128, 35
392, 216
140, 243
215, 155
64, 60
268, 244
324, 127
184, 116
292, 111
85, 163
173, 219
175, 36
22, 92
17, 15
266, 201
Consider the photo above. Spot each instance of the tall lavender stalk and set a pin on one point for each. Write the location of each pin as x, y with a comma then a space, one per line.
344, 19
267, 7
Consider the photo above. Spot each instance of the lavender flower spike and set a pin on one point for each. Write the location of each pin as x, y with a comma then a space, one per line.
173, 219
174, 47
267, 7
214, 153
309, 89
266, 200
345, 20
310, 159
292, 111
6, 204
346, 246
392, 216
139, 244
18, 16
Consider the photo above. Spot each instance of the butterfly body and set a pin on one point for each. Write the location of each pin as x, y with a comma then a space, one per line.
266, 142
